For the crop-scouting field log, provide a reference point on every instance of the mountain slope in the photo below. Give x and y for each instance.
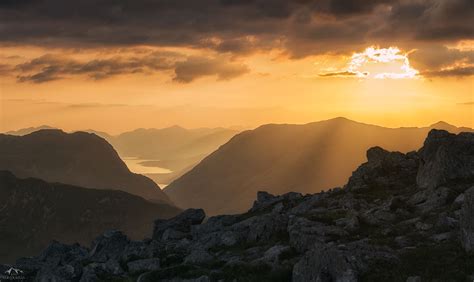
(34, 212)
(79, 158)
(282, 158)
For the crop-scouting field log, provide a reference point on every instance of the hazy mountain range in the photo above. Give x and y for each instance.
(280, 158)
(175, 148)
(34, 212)
(79, 158)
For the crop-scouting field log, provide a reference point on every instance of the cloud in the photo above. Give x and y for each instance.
(51, 67)
(467, 103)
(339, 74)
(196, 67)
(438, 56)
(379, 63)
(451, 72)
(300, 27)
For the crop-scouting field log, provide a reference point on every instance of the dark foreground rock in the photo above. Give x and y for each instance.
(401, 217)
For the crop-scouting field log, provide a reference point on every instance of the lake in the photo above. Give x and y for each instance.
(134, 165)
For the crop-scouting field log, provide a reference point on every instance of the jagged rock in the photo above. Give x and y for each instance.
(423, 226)
(273, 254)
(305, 233)
(143, 265)
(324, 264)
(467, 221)
(58, 262)
(446, 157)
(265, 199)
(350, 222)
(181, 223)
(105, 270)
(110, 245)
(89, 275)
(384, 170)
(199, 257)
(134, 250)
(414, 279)
(459, 200)
(259, 228)
(442, 237)
(429, 199)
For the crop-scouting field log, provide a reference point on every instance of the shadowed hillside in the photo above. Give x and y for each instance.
(79, 158)
(34, 212)
(280, 158)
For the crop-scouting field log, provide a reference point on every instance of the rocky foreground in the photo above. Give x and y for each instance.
(401, 217)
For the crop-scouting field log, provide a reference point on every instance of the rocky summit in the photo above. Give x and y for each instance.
(401, 217)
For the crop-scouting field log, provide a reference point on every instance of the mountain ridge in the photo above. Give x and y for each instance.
(79, 158)
(281, 158)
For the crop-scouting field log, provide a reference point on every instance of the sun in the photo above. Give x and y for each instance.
(382, 63)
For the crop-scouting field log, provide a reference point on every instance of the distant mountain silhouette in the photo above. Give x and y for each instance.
(176, 148)
(79, 158)
(170, 143)
(281, 157)
(24, 131)
(34, 212)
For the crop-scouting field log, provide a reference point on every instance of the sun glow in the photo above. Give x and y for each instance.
(382, 63)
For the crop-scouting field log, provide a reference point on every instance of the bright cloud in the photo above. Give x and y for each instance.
(378, 63)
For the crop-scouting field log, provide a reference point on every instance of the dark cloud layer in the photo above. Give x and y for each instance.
(50, 67)
(303, 27)
(457, 72)
(236, 27)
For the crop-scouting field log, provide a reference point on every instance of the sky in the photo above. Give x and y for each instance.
(118, 65)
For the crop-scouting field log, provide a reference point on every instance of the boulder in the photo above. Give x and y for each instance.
(324, 263)
(181, 223)
(110, 245)
(199, 257)
(384, 170)
(143, 265)
(467, 221)
(446, 157)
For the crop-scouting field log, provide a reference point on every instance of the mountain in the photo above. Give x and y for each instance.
(24, 131)
(281, 157)
(170, 143)
(79, 158)
(174, 148)
(401, 217)
(34, 212)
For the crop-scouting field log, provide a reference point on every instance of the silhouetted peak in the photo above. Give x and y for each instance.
(24, 131)
(442, 125)
(46, 132)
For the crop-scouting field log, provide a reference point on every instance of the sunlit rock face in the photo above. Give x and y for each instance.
(381, 226)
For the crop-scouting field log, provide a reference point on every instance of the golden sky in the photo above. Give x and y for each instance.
(116, 67)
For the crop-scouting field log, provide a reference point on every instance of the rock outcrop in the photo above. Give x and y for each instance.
(446, 158)
(382, 226)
